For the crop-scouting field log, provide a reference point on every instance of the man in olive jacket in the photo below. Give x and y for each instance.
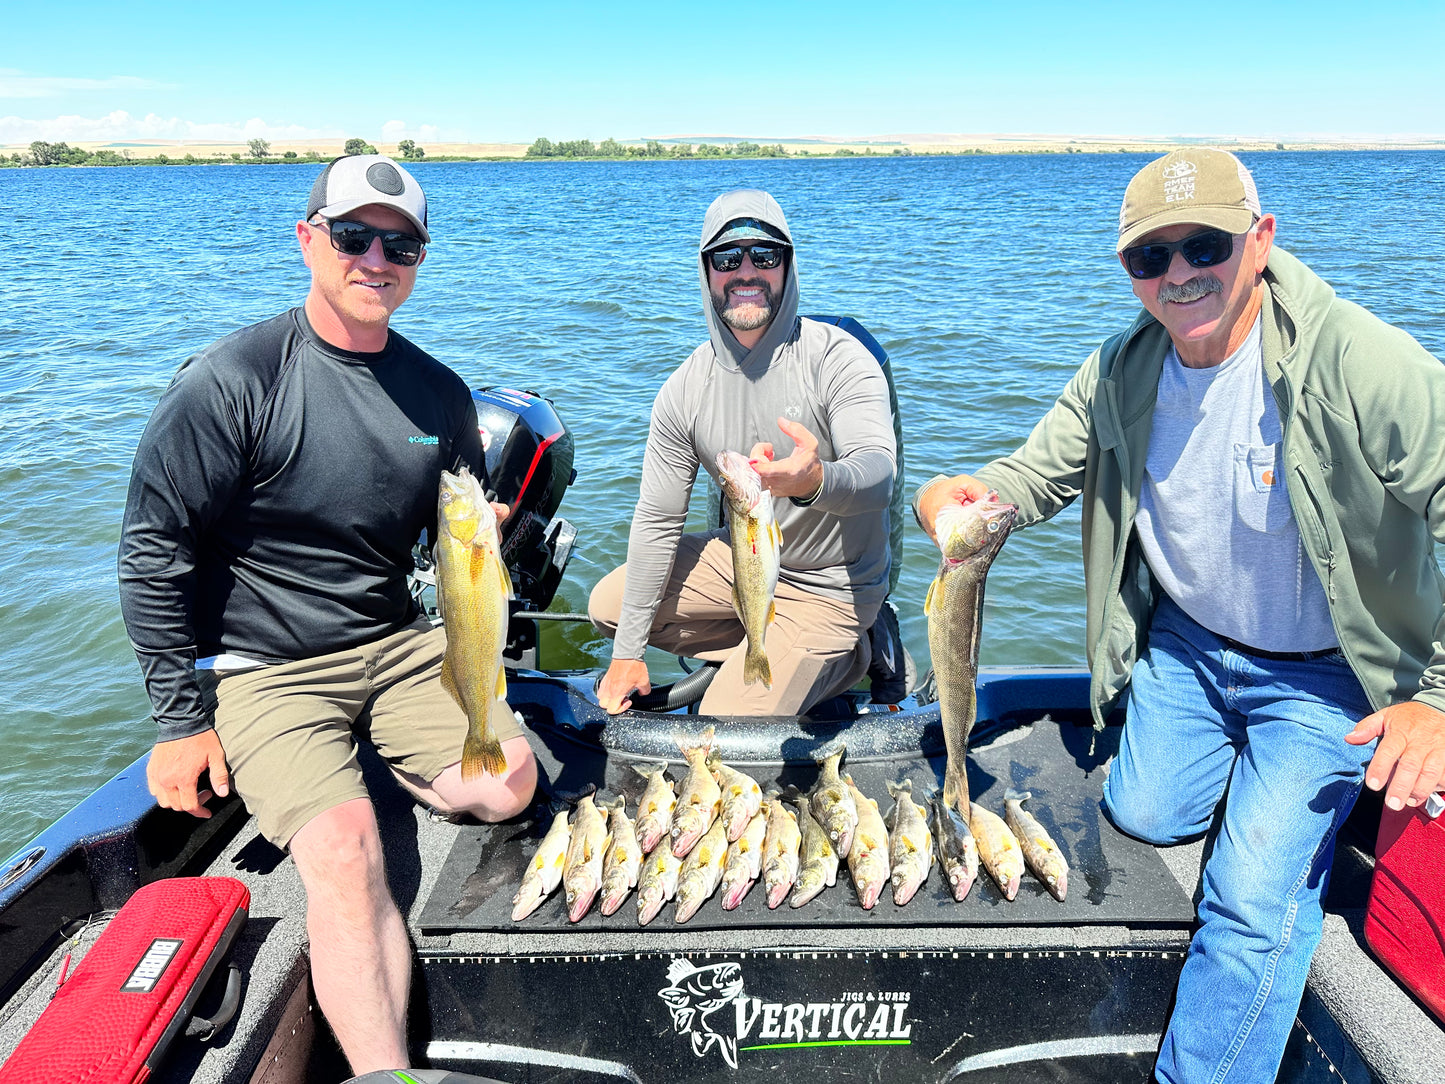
(1263, 479)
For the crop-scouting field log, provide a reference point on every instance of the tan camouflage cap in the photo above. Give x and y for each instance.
(1199, 185)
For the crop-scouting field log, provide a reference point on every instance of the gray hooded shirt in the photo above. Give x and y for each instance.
(725, 397)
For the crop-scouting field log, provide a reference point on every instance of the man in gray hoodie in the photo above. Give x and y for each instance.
(763, 372)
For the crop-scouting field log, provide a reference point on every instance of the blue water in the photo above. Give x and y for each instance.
(988, 279)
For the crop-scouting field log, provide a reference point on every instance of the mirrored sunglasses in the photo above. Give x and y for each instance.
(354, 238)
(763, 257)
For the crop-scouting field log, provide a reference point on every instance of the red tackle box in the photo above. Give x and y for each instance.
(113, 1018)
(1405, 920)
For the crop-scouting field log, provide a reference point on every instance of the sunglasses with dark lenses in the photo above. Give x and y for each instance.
(354, 238)
(1207, 248)
(764, 257)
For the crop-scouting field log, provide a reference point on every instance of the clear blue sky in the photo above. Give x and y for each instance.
(445, 71)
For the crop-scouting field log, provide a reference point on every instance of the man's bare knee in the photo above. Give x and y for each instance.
(339, 848)
(489, 798)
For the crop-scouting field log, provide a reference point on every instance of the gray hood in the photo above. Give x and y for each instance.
(748, 203)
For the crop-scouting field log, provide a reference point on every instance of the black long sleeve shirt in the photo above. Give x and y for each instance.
(276, 496)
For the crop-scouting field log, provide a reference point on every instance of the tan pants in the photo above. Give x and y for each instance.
(287, 730)
(817, 646)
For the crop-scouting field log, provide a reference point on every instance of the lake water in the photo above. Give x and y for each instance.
(988, 279)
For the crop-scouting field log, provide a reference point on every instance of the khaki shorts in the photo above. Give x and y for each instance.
(289, 731)
(817, 646)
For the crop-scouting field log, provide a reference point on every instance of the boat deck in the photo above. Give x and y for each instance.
(495, 988)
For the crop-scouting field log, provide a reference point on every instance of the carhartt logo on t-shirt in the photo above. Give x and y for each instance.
(1267, 478)
(423, 440)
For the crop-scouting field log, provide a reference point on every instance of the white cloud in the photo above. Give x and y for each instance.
(18, 84)
(120, 126)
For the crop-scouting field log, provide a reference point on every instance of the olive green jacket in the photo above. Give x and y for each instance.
(1362, 407)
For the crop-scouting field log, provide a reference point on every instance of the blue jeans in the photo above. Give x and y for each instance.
(1208, 724)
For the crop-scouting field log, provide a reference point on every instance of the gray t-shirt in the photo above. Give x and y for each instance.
(1214, 517)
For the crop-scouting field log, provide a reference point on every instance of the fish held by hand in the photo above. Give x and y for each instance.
(473, 588)
(969, 538)
(757, 551)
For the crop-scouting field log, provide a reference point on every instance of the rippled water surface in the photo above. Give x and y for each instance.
(988, 279)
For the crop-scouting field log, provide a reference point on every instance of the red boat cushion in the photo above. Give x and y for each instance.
(1405, 920)
(115, 1015)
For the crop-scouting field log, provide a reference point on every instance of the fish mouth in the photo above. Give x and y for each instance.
(868, 895)
(579, 905)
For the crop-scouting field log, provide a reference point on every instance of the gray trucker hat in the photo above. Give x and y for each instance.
(357, 180)
(747, 229)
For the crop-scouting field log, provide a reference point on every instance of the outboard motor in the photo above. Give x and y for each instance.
(529, 455)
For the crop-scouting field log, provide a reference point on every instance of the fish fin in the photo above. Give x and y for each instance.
(757, 668)
(501, 683)
(777, 533)
(449, 683)
(1012, 795)
(504, 576)
(482, 753)
(772, 613)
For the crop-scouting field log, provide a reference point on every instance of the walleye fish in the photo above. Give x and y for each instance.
(654, 808)
(582, 873)
(969, 536)
(957, 849)
(868, 856)
(741, 797)
(702, 869)
(757, 546)
(1041, 853)
(473, 587)
(622, 861)
(744, 862)
(998, 850)
(910, 843)
(544, 872)
(657, 883)
(780, 849)
(817, 858)
(833, 805)
(699, 800)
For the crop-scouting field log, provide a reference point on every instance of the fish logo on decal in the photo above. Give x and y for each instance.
(694, 994)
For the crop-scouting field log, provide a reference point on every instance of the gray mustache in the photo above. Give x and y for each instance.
(1192, 290)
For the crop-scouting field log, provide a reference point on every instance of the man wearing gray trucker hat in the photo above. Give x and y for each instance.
(277, 493)
(1263, 484)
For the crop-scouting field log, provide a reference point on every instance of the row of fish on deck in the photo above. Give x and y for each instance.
(720, 831)
(723, 831)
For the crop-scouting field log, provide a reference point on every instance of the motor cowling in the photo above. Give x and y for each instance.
(529, 453)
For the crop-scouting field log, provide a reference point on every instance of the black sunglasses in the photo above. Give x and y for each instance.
(764, 257)
(1207, 248)
(354, 238)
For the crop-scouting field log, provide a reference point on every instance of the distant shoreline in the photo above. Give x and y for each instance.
(175, 152)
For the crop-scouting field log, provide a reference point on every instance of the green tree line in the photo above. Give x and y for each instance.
(258, 150)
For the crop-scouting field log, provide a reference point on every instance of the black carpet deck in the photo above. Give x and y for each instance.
(1113, 879)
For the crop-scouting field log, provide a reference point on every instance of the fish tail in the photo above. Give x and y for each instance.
(757, 668)
(955, 792)
(482, 754)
